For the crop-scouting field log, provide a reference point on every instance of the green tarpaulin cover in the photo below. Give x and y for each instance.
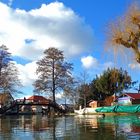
(119, 109)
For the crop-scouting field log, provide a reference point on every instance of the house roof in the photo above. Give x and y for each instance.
(5, 97)
(133, 95)
(37, 98)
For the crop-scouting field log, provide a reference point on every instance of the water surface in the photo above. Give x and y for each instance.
(91, 127)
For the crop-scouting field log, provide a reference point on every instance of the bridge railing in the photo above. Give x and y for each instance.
(29, 101)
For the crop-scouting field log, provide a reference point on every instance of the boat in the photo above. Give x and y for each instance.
(85, 111)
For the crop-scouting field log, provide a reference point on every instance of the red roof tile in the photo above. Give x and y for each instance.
(37, 98)
(133, 95)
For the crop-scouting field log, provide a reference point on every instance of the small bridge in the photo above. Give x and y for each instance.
(17, 104)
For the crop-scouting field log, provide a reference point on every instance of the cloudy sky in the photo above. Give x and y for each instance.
(78, 27)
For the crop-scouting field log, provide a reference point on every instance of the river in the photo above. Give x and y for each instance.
(91, 127)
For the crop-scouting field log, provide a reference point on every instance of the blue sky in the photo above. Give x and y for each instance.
(78, 27)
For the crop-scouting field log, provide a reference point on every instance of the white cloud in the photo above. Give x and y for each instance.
(27, 73)
(89, 62)
(93, 66)
(28, 33)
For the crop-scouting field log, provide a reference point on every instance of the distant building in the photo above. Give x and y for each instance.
(37, 99)
(109, 101)
(128, 99)
(93, 104)
(5, 99)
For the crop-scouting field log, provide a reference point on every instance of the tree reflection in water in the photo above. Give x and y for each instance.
(92, 127)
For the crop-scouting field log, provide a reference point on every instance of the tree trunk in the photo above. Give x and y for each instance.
(53, 90)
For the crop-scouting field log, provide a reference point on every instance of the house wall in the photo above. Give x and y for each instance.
(6, 98)
(124, 101)
(37, 109)
(93, 104)
(26, 109)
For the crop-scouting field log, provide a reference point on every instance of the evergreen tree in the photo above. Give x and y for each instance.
(111, 82)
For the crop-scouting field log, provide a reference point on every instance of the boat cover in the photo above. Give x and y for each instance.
(119, 109)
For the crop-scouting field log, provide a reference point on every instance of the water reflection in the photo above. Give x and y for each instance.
(92, 127)
(111, 127)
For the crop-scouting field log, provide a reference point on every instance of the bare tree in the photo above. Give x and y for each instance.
(83, 87)
(126, 30)
(69, 89)
(9, 81)
(5, 57)
(53, 72)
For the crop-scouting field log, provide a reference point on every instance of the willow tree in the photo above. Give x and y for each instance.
(126, 31)
(53, 72)
(9, 81)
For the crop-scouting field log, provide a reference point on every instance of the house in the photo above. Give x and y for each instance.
(5, 99)
(109, 101)
(36, 100)
(129, 99)
(93, 104)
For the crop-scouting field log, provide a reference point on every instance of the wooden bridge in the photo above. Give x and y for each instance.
(17, 104)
